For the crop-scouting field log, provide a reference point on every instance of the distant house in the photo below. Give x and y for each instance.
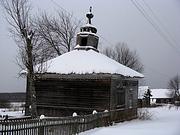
(84, 80)
(161, 96)
(158, 95)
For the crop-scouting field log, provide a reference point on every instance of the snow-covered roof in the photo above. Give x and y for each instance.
(89, 25)
(160, 93)
(84, 47)
(86, 32)
(156, 93)
(141, 91)
(87, 62)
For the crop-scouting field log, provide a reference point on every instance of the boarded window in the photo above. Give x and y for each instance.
(130, 100)
(120, 98)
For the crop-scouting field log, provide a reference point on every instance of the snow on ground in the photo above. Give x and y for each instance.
(164, 121)
(11, 112)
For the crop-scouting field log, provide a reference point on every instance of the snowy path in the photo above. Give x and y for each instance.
(164, 122)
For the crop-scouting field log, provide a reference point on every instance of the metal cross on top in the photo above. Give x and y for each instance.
(89, 15)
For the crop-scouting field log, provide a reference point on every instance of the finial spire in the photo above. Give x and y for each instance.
(90, 9)
(89, 15)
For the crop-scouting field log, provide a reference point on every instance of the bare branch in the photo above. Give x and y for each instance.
(173, 85)
(57, 33)
(122, 54)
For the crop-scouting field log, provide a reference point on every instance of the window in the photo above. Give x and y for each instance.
(130, 100)
(120, 98)
(83, 41)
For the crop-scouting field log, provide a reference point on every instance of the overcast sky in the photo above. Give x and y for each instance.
(116, 21)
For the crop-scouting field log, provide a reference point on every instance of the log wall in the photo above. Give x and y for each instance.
(64, 95)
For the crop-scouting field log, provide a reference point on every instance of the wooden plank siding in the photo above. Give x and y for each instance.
(123, 92)
(61, 96)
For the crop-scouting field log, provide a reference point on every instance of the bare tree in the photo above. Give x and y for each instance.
(18, 12)
(57, 33)
(38, 41)
(122, 54)
(173, 85)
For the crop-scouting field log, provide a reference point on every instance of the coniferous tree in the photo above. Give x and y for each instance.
(147, 97)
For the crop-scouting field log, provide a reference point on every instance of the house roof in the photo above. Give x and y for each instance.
(160, 93)
(87, 62)
(156, 93)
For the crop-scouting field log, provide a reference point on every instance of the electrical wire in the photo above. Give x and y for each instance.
(159, 21)
(144, 14)
(156, 71)
(55, 3)
(155, 26)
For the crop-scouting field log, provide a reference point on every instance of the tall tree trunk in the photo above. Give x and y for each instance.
(30, 78)
(23, 31)
(27, 111)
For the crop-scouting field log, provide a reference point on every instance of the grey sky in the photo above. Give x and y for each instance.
(116, 21)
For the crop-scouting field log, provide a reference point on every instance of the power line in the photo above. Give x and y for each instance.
(106, 40)
(159, 21)
(55, 3)
(144, 14)
(155, 26)
(156, 71)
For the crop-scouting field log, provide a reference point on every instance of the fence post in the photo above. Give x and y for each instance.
(75, 126)
(41, 130)
(41, 127)
(110, 118)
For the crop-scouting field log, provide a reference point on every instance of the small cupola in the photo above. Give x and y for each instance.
(87, 38)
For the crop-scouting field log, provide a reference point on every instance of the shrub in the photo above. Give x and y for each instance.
(144, 114)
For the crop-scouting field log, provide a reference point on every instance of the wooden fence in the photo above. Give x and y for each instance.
(64, 125)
